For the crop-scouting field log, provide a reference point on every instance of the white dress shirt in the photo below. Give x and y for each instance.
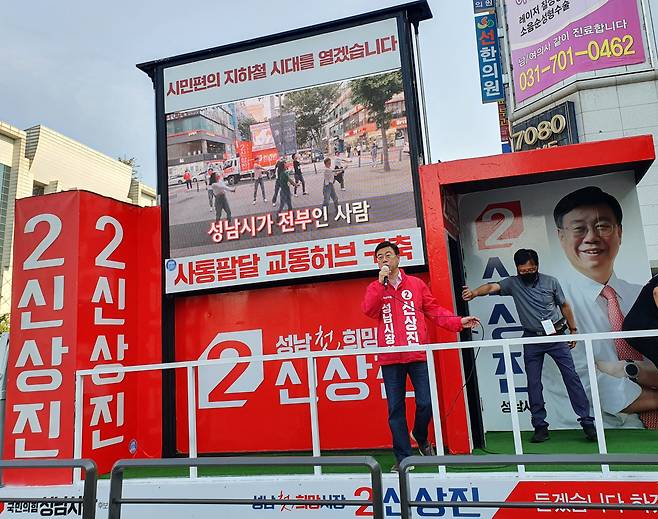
(590, 310)
(395, 283)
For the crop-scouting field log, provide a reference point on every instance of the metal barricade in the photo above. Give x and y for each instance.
(407, 504)
(116, 481)
(312, 357)
(88, 499)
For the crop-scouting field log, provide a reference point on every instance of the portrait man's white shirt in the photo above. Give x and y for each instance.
(590, 309)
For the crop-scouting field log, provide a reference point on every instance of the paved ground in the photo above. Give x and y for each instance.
(389, 194)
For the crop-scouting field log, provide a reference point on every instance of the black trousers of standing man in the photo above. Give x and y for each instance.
(221, 204)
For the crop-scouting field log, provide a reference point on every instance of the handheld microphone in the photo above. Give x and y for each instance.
(386, 269)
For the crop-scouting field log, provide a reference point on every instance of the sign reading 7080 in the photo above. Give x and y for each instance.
(554, 127)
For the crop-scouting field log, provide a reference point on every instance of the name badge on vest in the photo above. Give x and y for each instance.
(549, 329)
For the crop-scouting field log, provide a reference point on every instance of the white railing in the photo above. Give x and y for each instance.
(311, 356)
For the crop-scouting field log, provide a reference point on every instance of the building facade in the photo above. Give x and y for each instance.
(39, 161)
(349, 124)
(609, 102)
(199, 138)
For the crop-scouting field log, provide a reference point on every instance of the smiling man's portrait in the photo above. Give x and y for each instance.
(589, 226)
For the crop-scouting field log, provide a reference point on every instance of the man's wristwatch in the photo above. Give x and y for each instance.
(631, 370)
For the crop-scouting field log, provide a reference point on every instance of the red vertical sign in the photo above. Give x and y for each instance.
(110, 286)
(76, 304)
(246, 156)
(41, 360)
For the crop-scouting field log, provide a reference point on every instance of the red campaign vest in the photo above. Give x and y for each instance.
(401, 313)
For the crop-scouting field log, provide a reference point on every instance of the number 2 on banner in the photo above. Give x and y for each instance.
(102, 260)
(220, 392)
(499, 233)
(33, 261)
(363, 511)
(499, 224)
(230, 384)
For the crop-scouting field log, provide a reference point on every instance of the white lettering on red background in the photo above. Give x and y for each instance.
(387, 319)
(409, 312)
(41, 307)
(109, 304)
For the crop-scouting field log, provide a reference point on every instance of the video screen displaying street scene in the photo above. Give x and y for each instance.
(315, 163)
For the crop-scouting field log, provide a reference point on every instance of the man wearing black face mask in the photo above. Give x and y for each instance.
(537, 298)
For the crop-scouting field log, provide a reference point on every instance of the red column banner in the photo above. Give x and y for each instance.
(81, 264)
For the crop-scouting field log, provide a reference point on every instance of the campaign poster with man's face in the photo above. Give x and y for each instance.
(588, 234)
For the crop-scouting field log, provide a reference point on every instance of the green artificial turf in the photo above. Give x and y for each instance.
(619, 441)
(561, 442)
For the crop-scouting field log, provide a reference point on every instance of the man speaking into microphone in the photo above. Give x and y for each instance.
(400, 304)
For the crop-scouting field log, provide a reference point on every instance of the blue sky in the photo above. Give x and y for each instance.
(71, 65)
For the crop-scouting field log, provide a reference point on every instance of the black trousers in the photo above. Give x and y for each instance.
(221, 204)
(277, 186)
(533, 359)
(340, 178)
(285, 199)
(299, 177)
(259, 182)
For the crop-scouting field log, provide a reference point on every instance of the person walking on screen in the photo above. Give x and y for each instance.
(328, 189)
(299, 176)
(539, 301)
(211, 178)
(373, 154)
(284, 186)
(187, 178)
(400, 303)
(340, 163)
(220, 188)
(259, 180)
(279, 167)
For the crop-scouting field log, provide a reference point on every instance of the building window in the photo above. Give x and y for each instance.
(38, 189)
(4, 203)
(216, 147)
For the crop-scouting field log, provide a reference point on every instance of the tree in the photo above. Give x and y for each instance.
(243, 127)
(4, 323)
(372, 93)
(311, 107)
(132, 162)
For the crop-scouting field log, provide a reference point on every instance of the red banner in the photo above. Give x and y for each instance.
(265, 406)
(246, 157)
(580, 492)
(119, 324)
(85, 292)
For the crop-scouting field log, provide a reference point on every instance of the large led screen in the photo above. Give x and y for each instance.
(291, 160)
